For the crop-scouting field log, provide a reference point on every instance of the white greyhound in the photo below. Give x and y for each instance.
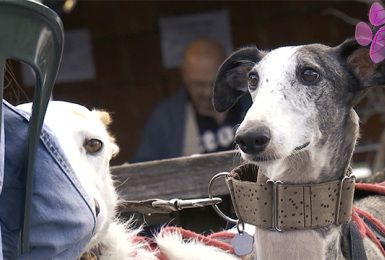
(84, 137)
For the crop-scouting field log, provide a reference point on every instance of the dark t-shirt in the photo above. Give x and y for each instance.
(214, 137)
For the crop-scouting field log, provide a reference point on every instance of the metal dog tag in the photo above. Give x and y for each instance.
(242, 243)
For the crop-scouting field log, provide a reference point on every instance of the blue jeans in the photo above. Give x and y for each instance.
(62, 221)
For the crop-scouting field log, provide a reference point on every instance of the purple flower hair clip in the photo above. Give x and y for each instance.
(364, 34)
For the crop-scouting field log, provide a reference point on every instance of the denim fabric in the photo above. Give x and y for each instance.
(62, 221)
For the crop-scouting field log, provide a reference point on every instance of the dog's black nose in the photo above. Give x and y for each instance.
(253, 140)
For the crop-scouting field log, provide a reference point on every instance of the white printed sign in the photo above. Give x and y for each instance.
(178, 31)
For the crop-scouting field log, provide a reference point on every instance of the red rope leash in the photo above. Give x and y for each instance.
(368, 231)
(222, 235)
(378, 188)
(360, 223)
(150, 245)
(359, 214)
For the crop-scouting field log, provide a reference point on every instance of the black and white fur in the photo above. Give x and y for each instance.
(301, 128)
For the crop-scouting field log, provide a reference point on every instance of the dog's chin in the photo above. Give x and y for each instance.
(266, 158)
(262, 158)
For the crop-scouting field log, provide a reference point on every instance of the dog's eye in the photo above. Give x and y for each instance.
(253, 81)
(309, 75)
(93, 145)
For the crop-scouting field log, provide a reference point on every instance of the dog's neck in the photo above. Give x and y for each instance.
(323, 162)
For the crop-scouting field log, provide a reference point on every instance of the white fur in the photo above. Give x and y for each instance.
(72, 125)
(173, 246)
(292, 245)
(119, 245)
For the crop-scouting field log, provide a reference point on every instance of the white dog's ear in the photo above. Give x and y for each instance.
(104, 117)
(231, 82)
(365, 72)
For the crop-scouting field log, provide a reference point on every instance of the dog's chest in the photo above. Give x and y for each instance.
(296, 245)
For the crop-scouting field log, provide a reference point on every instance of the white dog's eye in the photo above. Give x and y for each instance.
(253, 80)
(309, 75)
(93, 145)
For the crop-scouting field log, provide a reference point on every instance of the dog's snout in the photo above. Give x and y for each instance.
(253, 140)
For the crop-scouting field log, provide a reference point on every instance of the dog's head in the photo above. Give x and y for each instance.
(83, 136)
(301, 95)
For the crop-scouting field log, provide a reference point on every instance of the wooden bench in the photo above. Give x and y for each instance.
(182, 178)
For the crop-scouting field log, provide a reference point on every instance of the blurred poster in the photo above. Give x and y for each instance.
(77, 63)
(178, 31)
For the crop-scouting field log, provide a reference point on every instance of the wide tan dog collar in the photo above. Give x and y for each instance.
(278, 206)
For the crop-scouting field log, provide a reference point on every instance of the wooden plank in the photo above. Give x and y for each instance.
(184, 177)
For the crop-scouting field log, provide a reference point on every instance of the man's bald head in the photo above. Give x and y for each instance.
(200, 64)
(203, 49)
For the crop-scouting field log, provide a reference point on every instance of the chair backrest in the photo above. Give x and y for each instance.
(33, 34)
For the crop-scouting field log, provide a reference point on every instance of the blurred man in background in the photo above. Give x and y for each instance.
(187, 123)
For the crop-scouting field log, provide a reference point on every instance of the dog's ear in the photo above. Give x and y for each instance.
(358, 61)
(231, 81)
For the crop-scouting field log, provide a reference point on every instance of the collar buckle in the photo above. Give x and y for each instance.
(275, 204)
(345, 178)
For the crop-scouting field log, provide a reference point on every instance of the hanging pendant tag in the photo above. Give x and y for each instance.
(242, 244)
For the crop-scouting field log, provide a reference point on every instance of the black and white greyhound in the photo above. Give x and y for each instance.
(301, 128)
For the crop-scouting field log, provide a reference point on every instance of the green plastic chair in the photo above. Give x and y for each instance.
(33, 34)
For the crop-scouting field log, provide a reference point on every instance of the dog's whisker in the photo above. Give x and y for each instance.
(122, 183)
(235, 128)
